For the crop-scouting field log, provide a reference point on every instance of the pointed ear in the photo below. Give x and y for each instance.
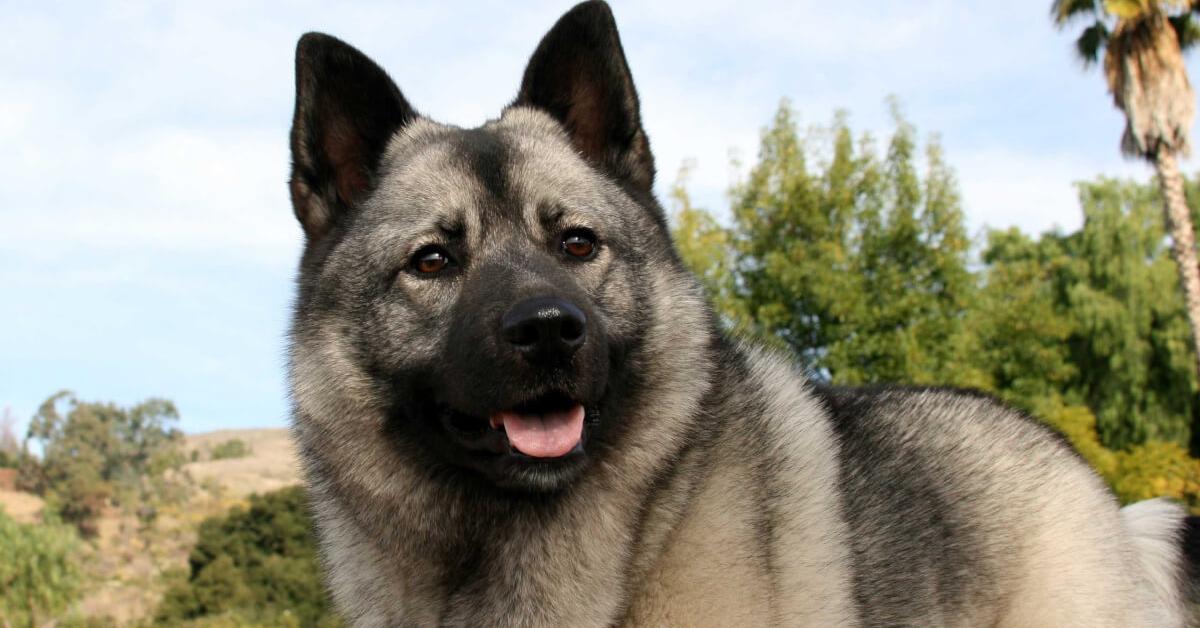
(346, 111)
(578, 74)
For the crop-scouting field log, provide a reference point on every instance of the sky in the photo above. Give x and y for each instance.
(147, 244)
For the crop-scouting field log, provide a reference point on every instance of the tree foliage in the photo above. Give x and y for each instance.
(1132, 344)
(858, 262)
(94, 454)
(854, 260)
(254, 566)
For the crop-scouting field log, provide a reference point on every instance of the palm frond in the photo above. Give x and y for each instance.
(1066, 11)
(1144, 67)
(1131, 9)
(1091, 42)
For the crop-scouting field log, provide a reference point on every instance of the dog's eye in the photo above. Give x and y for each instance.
(430, 260)
(579, 243)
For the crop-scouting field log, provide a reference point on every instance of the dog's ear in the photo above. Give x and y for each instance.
(347, 109)
(578, 74)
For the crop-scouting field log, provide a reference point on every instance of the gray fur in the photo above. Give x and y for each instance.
(721, 488)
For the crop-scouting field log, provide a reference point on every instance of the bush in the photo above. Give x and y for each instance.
(39, 577)
(256, 565)
(233, 448)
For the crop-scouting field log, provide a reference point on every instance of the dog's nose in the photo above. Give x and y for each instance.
(545, 328)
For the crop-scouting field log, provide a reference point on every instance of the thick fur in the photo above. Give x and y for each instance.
(718, 487)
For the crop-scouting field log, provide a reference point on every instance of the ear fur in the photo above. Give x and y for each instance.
(347, 109)
(579, 75)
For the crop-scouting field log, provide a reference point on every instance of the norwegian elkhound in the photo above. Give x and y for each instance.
(515, 407)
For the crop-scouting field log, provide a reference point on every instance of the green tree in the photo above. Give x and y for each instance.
(1142, 42)
(39, 575)
(1132, 346)
(98, 453)
(1091, 318)
(854, 261)
(257, 564)
(857, 263)
(1021, 322)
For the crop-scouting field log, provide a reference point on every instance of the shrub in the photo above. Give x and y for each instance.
(39, 577)
(256, 565)
(232, 448)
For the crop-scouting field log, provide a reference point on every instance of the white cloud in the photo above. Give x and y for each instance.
(169, 190)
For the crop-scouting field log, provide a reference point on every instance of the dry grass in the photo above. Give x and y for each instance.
(270, 465)
(23, 507)
(128, 562)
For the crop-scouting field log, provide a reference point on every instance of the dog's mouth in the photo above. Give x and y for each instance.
(548, 427)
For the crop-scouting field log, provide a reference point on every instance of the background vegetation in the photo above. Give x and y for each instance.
(232, 448)
(852, 254)
(39, 573)
(99, 455)
(255, 566)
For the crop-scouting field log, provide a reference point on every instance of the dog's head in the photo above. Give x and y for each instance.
(489, 291)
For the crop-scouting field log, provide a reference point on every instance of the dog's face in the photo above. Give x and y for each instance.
(486, 288)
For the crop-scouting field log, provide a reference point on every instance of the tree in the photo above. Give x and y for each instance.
(97, 453)
(1132, 346)
(1143, 42)
(1091, 318)
(1021, 321)
(855, 262)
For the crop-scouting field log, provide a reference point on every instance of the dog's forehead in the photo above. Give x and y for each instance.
(521, 159)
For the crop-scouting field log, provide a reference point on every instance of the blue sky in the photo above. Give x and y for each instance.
(147, 246)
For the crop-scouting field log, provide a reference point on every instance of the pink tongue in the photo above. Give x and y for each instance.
(547, 435)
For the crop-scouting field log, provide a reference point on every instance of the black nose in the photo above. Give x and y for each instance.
(545, 328)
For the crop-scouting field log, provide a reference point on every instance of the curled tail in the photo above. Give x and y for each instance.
(1166, 544)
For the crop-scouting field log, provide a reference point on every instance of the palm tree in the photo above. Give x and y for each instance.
(1142, 42)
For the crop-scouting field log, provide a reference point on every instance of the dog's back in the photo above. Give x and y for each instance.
(965, 510)
(907, 507)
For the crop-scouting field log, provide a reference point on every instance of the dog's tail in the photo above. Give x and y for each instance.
(1166, 543)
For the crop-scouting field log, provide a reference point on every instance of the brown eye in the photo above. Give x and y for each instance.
(430, 260)
(579, 243)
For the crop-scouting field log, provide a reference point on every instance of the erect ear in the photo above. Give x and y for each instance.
(346, 111)
(578, 74)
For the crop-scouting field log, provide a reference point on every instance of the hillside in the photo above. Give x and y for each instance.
(128, 563)
(270, 465)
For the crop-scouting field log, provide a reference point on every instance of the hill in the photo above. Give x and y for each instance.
(270, 464)
(129, 562)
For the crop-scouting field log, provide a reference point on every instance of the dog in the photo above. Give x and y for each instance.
(514, 406)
